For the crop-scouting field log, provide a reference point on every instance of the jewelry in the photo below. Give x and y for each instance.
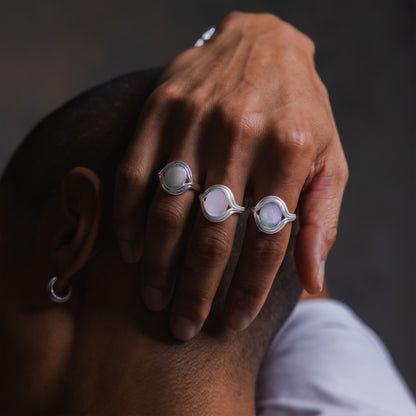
(176, 177)
(53, 296)
(218, 203)
(207, 35)
(268, 214)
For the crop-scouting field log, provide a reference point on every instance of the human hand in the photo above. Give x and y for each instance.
(249, 111)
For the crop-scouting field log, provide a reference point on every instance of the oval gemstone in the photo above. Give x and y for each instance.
(270, 215)
(216, 203)
(175, 177)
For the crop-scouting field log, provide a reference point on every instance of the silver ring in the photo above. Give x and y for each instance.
(53, 296)
(207, 35)
(176, 177)
(220, 209)
(275, 214)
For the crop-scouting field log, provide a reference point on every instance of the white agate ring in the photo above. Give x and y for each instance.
(53, 296)
(271, 214)
(176, 177)
(207, 35)
(218, 203)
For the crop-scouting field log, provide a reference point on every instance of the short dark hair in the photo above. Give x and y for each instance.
(93, 130)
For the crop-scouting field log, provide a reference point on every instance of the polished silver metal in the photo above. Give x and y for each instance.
(233, 207)
(286, 215)
(187, 184)
(206, 36)
(53, 296)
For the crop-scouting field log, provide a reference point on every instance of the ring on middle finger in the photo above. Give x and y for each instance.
(218, 203)
(176, 177)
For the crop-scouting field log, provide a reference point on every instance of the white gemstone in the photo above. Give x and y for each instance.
(175, 176)
(216, 203)
(270, 215)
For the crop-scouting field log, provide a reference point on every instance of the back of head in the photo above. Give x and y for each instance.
(94, 131)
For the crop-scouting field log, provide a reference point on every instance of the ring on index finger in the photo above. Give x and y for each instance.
(271, 214)
(176, 178)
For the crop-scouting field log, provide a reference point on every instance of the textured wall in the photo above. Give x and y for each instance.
(51, 50)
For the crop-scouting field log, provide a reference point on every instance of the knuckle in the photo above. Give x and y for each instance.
(131, 176)
(154, 274)
(212, 247)
(323, 90)
(344, 173)
(272, 18)
(165, 94)
(168, 217)
(196, 101)
(232, 17)
(296, 138)
(241, 122)
(331, 235)
(299, 38)
(307, 43)
(195, 305)
(267, 252)
(338, 172)
(172, 96)
(251, 296)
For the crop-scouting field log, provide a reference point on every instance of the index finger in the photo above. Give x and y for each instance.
(133, 180)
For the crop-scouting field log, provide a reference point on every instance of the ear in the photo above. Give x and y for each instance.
(81, 209)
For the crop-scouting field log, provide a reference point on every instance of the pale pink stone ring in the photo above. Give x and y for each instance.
(218, 203)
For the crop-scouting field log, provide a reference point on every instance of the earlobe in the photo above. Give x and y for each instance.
(81, 206)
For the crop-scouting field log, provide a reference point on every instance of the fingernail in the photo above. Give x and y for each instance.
(321, 276)
(183, 328)
(126, 251)
(154, 299)
(237, 319)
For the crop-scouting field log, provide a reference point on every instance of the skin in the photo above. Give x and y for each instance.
(247, 110)
(101, 353)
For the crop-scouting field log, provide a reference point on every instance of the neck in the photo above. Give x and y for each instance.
(124, 361)
(156, 379)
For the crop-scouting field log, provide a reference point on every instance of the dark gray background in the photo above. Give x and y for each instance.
(51, 50)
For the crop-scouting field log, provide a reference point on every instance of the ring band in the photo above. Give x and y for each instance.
(271, 214)
(218, 203)
(206, 36)
(176, 177)
(53, 296)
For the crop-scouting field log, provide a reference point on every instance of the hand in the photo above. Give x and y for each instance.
(249, 111)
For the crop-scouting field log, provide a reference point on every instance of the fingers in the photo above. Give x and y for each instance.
(319, 212)
(206, 257)
(167, 222)
(281, 172)
(259, 262)
(135, 175)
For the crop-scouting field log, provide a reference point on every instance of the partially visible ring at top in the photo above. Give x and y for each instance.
(218, 203)
(176, 177)
(271, 214)
(205, 37)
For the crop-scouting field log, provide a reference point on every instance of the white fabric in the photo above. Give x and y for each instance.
(326, 361)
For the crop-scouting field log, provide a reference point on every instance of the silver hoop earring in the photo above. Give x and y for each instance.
(53, 296)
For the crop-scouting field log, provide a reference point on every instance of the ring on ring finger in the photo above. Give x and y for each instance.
(271, 214)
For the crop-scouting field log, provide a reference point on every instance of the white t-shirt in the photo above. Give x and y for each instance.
(326, 361)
